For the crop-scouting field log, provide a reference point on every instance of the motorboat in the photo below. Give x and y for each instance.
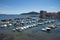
(51, 21)
(52, 26)
(3, 26)
(40, 23)
(13, 30)
(10, 24)
(20, 29)
(45, 22)
(17, 24)
(46, 29)
(5, 22)
(28, 26)
(25, 27)
(34, 24)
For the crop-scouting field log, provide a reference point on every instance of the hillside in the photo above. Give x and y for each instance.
(30, 13)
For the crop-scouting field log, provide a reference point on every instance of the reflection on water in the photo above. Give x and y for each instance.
(34, 33)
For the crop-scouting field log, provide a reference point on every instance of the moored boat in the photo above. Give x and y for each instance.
(46, 29)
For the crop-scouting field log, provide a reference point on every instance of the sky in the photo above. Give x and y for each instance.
(24, 6)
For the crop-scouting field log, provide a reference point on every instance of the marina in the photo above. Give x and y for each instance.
(30, 26)
(25, 23)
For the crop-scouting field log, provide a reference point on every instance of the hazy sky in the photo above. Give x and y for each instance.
(23, 6)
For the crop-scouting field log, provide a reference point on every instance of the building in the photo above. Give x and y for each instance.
(58, 14)
(51, 15)
(43, 14)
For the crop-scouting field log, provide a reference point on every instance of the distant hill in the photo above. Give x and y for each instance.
(30, 13)
(2, 14)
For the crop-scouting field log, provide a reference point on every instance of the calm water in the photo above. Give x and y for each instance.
(34, 33)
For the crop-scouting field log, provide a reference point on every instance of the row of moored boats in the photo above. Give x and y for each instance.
(20, 22)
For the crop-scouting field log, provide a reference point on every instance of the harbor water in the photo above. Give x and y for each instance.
(33, 33)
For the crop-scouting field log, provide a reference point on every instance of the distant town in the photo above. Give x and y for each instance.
(45, 14)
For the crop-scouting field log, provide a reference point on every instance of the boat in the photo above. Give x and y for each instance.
(40, 23)
(13, 30)
(3, 26)
(28, 26)
(20, 29)
(25, 27)
(5, 22)
(10, 19)
(52, 26)
(18, 24)
(46, 29)
(34, 24)
(51, 21)
(45, 22)
(10, 24)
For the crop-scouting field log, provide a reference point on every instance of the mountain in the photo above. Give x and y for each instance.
(30, 13)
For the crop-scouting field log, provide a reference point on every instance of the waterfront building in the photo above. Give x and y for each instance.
(51, 15)
(43, 14)
(58, 14)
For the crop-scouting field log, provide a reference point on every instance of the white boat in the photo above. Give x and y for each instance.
(43, 29)
(46, 29)
(10, 24)
(13, 30)
(25, 27)
(5, 22)
(49, 21)
(34, 24)
(30, 21)
(40, 23)
(45, 22)
(20, 29)
(28, 26)
(3, 26)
